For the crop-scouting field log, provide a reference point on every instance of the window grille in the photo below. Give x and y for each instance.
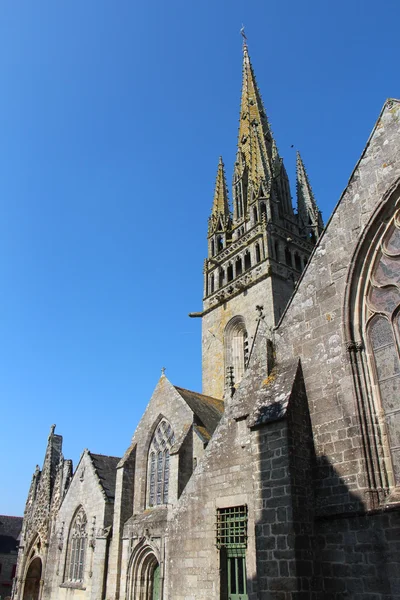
(231, 527)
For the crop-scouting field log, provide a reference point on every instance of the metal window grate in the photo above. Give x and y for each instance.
(231, 527)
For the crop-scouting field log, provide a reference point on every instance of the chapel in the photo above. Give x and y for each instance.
(281, 479)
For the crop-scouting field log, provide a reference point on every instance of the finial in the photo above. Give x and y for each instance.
(242, 33)
(52, 428)
(162, 371)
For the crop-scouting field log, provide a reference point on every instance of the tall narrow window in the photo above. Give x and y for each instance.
(76, 548)
(152, 487)
(238, 266)
(212, 283)
(231, 540)
(230, 272)
(258, 253)
(236, 347)
(255, 215)
(247, 261)
(383, 336)
(288, 257)
(158, 464)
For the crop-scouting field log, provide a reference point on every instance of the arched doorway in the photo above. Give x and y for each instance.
(32, 580)
(145, 579)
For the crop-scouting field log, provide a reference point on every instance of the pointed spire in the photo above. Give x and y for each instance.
(310, 216)
(220, 204)
(253, 163)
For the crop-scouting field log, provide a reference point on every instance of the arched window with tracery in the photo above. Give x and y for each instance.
(158, 464)
(382, 330)
(77, 543)
(236, 347)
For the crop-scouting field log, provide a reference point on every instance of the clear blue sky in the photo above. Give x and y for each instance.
(112, 118)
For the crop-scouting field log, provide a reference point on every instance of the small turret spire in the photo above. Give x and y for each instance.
(219, 223)
(220, 204)
(309, 215)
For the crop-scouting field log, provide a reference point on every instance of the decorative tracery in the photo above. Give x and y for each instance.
(382, 317)
(158, 463)
(77, 547)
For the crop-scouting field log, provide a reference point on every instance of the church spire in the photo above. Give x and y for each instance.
(309, 215)
(255, 257)
(253, 169)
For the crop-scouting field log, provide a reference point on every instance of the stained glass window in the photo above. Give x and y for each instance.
(158, 465)
(383, 300)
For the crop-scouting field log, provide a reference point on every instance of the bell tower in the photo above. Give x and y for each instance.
(257, 250)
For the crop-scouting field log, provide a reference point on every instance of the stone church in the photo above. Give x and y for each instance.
(281, 480)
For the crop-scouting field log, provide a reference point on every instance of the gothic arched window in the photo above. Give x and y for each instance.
(382, 317)
(158, 463)
(236, 347)
(76, 551)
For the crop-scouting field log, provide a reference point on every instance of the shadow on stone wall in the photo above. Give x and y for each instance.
(314, 538)
(356, 553)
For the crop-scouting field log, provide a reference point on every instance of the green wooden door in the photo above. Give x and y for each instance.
(156, 583)
(237, 588)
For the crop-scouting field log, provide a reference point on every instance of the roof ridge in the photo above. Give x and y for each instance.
(103, 455)
(198, 393)
(106, 484)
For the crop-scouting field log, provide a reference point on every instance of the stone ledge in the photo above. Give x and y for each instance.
(74, 585)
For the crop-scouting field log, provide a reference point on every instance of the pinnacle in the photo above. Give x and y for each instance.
(220, 204)
(306, 203)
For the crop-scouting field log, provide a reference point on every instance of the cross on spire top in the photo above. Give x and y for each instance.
(243, 34)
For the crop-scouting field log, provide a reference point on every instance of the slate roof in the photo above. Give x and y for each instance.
(10, 528)
(208, 410)
(106, 469)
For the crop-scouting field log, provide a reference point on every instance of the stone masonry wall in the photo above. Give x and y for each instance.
(167, 402)
(313, 327)
(223, 478)
(213, 327)
(358, 557)
(284, 501)
(86, 491)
